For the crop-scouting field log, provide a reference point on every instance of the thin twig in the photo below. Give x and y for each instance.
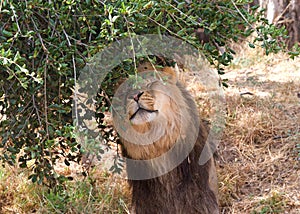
(75, 91)
(246, 93)
(181, 13)
(133, 51)
(1, 2)
(45, 97)
(67, 36)
(16, 18)
(280, 137)
(238, 10)
(36, 109)
(25, 124)
(281, 14)
(40, 37)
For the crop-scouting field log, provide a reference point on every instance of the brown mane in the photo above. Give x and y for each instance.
(187, 188)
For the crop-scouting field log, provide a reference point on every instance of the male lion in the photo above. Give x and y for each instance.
(161, 133)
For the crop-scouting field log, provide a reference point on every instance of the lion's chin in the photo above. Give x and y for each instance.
(142, 116)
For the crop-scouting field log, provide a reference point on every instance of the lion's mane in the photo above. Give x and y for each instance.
(164, 113)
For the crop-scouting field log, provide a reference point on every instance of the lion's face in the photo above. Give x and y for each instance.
(148, 104)
(153, 115)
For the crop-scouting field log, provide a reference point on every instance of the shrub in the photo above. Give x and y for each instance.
(44, 44)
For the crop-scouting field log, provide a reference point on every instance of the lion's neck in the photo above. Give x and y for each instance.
(183, 189)
(142, 128)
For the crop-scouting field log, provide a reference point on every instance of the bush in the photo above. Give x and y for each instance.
(44, 44)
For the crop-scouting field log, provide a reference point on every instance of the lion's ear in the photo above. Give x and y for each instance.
(171, 73)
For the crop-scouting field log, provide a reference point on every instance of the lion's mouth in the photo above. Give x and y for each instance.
(142, 111)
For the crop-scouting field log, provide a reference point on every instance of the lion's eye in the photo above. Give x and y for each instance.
(149, 85)
(152, 84)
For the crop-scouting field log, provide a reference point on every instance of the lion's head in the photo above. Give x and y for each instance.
(157, 112)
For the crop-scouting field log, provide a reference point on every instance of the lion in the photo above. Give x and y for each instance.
(164, 134)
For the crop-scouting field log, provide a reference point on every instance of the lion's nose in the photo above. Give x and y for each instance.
(137, 96)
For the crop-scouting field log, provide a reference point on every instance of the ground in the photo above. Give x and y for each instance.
(259, 166)
(258, 161)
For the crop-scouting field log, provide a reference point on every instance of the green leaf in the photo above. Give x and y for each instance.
(7, 33)
(33, 178)
(12, 149)
(251, 45)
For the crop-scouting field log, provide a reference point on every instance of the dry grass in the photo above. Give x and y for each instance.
(17, 194)
(259, 170)
(99, 193)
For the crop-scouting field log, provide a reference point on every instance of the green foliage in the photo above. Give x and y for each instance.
(295, 51)
(94, 194)
(44, 44)
(85, 197)
(273, 204)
